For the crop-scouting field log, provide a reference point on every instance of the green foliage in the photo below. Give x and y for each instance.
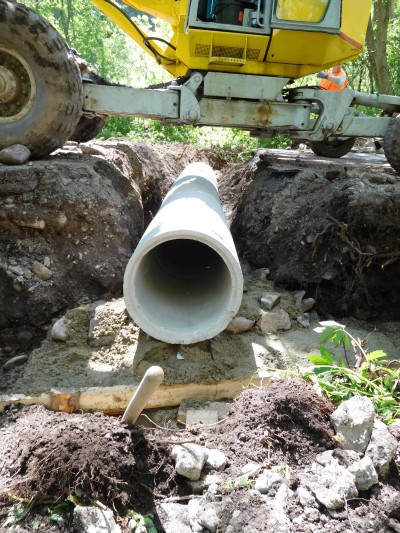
(371, 376)
(141, 522)
(57, 511)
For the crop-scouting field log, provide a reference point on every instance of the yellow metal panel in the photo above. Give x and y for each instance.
(355, 15)
(301, 10)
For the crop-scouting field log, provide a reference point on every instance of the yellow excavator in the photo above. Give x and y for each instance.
(233, 64)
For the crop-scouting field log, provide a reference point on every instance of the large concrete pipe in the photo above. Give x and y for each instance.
(183, 283)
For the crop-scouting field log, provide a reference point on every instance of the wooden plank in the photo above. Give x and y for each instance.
(113, 400)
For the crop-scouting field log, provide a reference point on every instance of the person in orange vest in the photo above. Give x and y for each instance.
(334, 80)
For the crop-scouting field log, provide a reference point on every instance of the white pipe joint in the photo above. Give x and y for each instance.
(183, 284)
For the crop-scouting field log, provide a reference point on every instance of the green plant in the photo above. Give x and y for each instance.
(371, 375)
(141, 522)
(242, 481)
(56, 512)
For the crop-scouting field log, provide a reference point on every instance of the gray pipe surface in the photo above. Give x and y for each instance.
(183, 283)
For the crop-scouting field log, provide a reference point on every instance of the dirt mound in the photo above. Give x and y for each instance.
(90, 455)
(287, 423)
(97, 458)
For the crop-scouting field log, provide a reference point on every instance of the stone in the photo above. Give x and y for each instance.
(216, 459)
(298, 298)
(202, 484)
(267, 480)
(41, 271)
(382, 448)
(353, 421)
(189, 460)
(307, 304)
(306, 498)
(270, 322)
(174, 517)
(239, 324)
(201, 416)
(364, 472)
(60, 330)
(304, 320)
(269, 300)
(94, 520)
(17, 154)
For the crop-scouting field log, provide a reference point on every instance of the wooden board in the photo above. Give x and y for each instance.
(113, 400)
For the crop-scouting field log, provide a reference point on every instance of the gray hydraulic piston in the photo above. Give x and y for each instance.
(183, 283)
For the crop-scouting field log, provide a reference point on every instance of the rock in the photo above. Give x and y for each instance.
(216, 459)
(331, 485)
(381, 448)
(239, 324)
(353, 421)
(18, 360)
(277, 519)
(304, 320)
(364, 473)
(201, 416)
(41, 271)
(307, 304)
(267, 480)
(271, 322)
(306, 498)
(269, 300)
(174, 518)
(189, 460)
(202, 484)
(311, 514)
(251, 470)
(298, 298)
(60, 330)
(94, 520)
(17, 154)
(204, 514)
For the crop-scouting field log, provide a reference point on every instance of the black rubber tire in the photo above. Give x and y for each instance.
(391, 145)
(47, 105)
(88, 127)
(335, 148)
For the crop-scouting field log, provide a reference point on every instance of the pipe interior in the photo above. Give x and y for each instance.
(182, 284)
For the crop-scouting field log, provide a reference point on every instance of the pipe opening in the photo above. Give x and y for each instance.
(183, 285)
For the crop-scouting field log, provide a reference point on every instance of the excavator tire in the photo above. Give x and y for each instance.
(335, 148)
(88, 127)
(391, 145)
(40, 83)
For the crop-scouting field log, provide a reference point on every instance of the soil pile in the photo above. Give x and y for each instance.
(49, 456)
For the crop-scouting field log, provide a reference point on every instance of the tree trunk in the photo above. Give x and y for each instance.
(376, 45)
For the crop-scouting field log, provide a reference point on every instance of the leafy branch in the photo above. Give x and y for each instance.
(371, 375)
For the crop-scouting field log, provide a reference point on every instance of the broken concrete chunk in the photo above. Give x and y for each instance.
(271, 321)
(353, 421)
(189, 460)
(17, 154)
(41, 271)
(222, 408)
(381, 448)
(269, 300)
(88, 519)
(201, 416)
(216, 459)
(365, 473)
(239, 324)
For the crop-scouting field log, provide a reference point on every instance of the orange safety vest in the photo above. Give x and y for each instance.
(330, 86)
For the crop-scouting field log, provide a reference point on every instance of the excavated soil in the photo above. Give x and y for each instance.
(47, 456)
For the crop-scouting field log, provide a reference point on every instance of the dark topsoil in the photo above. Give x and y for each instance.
(47, 456)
